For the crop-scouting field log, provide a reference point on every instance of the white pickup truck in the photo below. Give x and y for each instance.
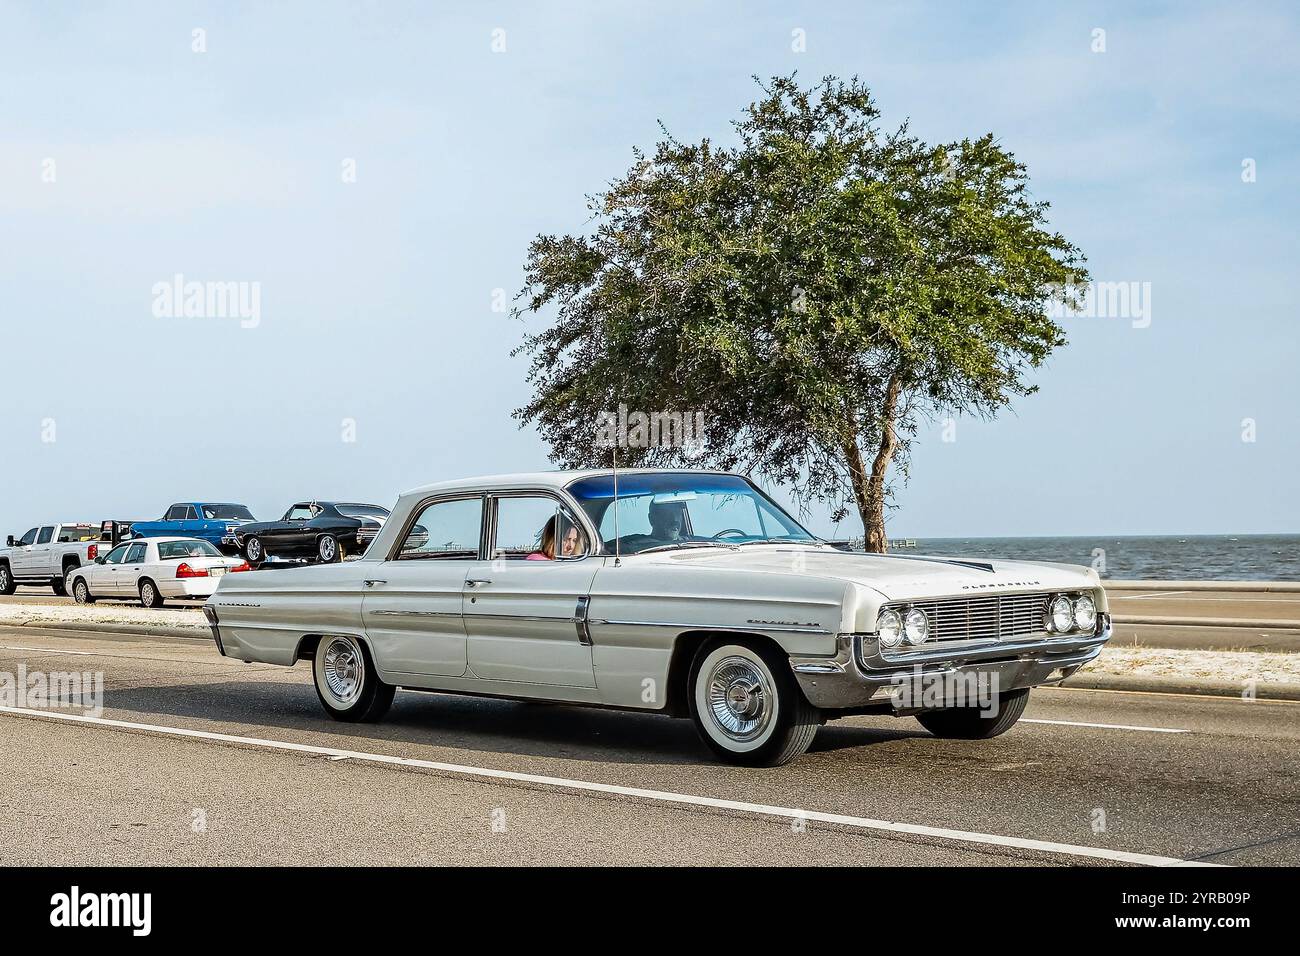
(45, 555)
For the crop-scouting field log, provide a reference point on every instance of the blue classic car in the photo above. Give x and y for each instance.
(212, 521)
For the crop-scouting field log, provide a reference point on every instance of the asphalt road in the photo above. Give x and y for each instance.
(302, 789)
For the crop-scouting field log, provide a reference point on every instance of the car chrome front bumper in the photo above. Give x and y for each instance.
(859, 674)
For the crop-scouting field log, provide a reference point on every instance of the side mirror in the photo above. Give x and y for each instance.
(99, 560)
(9, 542)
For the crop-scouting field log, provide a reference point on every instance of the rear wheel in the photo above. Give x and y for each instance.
(971, 723)
(347, 683)
(81, 592)
(150, 596)
(59, 586)
(747, 707)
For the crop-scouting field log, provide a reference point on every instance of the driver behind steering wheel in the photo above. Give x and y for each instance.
(668, 521)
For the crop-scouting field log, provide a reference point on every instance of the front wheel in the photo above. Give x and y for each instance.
(7, 583)
(327, 549)
(347, 683)
(81, 592)
(973, 723)
(254, 551)
(747, 707)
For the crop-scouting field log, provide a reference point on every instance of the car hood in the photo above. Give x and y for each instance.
(896, 577)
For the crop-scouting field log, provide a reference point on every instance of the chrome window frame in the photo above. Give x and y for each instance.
(576, 513)
(395, 551)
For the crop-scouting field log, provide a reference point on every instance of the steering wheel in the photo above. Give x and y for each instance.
(743, 534)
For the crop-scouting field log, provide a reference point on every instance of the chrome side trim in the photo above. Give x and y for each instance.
(580, 619)
(516, 617)
(384, 612)
(791, 628)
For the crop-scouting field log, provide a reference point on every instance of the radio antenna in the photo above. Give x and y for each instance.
(614, 456)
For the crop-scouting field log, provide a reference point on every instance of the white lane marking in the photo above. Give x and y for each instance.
(663, 796)
(1078, 723)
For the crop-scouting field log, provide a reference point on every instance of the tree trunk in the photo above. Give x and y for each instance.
(869, 489)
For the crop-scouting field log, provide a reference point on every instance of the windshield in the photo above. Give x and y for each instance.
(227, 513)
(682, 510)
(193, 548)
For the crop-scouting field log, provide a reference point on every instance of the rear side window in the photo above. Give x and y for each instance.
(136, 554)
(74, 533)
(47, 534)
(446, 530)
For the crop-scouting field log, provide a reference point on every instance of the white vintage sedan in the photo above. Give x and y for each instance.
(684, 592)
(152, 570)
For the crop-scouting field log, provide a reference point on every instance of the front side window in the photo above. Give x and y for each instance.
(47, 535)
(536, 527)
(682, 509)
(117, 555)
(446, 530)
(175, 513)
(28, 539)
(191, 514)
(299, 513)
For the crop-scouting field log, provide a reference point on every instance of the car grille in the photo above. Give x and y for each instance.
(986, 618)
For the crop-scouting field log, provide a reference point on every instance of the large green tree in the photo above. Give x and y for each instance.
(816, 288)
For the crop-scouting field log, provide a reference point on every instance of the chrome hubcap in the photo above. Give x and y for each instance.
(344, 669)
(327, 549)
(254, 549)
(148, 594)
(740, 698)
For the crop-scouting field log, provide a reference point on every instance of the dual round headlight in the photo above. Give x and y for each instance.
(1066, 614)
(893, 627)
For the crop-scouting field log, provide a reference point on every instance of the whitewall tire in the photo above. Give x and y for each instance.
(347, 683)
(746, 705)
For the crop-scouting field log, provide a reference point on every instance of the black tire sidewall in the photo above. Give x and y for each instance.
(157, 595)
(789, 705)
(375, 697)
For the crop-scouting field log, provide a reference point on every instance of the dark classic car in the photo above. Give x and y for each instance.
(324, 531)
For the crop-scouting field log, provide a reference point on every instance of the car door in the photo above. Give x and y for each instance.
(20, 555)
(525, 616)
(411, 604)
(41, 555)
(191, 525)
(290, 535)
(127, 574)
(104, 580)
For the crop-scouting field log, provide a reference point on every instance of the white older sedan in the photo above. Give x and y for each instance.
(152, 570)
(684, 592)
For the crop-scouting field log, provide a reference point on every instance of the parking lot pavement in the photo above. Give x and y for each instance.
(1097, 772)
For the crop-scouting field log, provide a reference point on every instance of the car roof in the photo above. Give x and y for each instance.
(547, 479)
(158, 540)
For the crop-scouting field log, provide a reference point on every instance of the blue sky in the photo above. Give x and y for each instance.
(376, 295)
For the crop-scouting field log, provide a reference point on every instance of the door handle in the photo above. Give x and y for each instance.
(371, 583)
(472, 582)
